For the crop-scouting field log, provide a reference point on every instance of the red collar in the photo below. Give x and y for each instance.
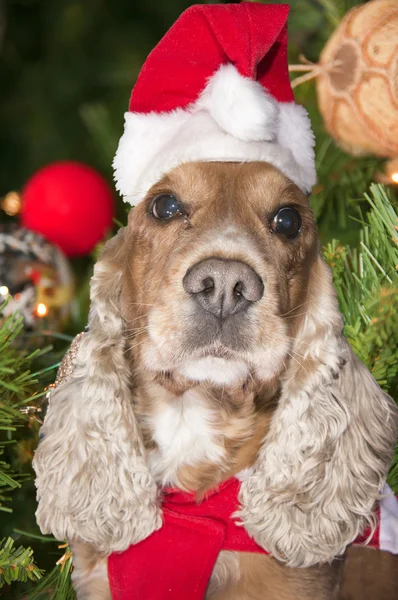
(176, 561)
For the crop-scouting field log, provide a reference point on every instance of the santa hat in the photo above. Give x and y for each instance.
(216, 88)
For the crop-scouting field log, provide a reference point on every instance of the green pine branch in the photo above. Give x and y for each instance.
(57, 585)
(17, 564)
(14, 383)
(18, 388)
(366, 281)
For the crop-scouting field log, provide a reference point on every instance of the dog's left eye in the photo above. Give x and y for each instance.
(166, 207)
(287, 221)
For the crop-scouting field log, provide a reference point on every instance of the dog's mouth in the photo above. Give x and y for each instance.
(219, 336)
(218, 350)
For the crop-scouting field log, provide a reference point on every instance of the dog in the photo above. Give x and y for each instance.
(215, 351)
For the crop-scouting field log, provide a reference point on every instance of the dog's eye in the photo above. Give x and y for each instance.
(166, 207)
(287, 221)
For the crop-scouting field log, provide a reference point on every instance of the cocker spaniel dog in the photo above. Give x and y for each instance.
(214, 351)
(212, 434)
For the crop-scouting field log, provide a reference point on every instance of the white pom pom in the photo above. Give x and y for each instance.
(240, 106)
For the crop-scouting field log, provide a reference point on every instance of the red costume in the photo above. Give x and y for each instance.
(177, 560)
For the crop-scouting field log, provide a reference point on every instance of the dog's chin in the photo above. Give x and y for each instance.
(217, 364)
(217, 370)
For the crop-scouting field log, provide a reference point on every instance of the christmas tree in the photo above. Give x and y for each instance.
(68, 68)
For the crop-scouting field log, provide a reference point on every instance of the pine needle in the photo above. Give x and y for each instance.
(17, 564)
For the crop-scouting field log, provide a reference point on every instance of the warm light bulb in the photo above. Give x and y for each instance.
(4, 291)
(41, 310)
(394, 177)
(11, 204)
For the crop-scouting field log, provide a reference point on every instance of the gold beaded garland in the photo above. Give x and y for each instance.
(67, 366)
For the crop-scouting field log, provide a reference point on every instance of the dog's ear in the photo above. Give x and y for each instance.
(329, 447)
(91, 472)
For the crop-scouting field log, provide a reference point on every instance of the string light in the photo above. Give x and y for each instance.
(389, 175)
(391, 170)
(4, 291)
(11, 204)
(41, 309)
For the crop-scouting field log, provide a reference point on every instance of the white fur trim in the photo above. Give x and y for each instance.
(234, 120)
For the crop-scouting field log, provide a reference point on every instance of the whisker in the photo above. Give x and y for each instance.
(297, 315)
(269, 349)
(135, 328)
(135, 319)
(295, 308)
(133, 346)
(298, 354)
(251, 377)
(298, 362)
(135, 334)
(140, 304)
(210, 395)
(302, 342)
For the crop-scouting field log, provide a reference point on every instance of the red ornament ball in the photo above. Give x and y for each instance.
(70, 204)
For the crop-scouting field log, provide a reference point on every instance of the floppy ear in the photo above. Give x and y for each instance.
(92, 478)
(329, 447)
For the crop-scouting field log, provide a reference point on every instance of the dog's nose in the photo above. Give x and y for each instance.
(223, 287)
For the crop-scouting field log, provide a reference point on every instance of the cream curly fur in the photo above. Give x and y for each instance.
(91, 472)
(324, 460)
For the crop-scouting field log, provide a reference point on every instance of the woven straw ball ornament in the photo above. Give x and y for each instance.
(358, 80)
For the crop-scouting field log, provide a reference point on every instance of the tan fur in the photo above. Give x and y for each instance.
(89, 575)
(230, 209)
(263, 578)
(369, 575)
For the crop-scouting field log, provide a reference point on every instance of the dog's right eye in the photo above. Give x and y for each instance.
(166, 207)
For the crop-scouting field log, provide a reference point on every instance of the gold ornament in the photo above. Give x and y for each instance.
(357, 80)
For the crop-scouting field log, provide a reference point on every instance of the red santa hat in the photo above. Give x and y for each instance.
(216, 88)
